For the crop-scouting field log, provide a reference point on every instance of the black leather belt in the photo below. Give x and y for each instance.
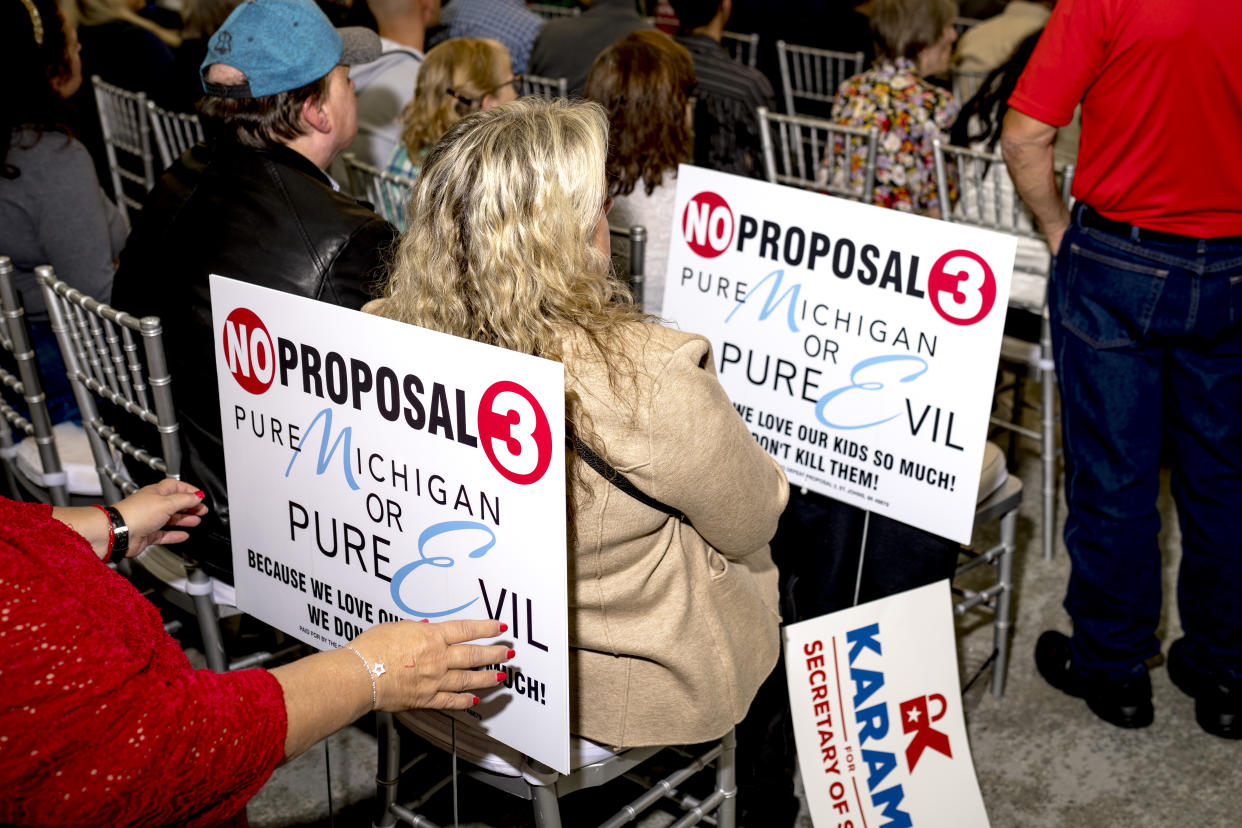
(1088, 217)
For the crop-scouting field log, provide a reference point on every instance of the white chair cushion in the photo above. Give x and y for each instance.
(170, 569)
(75, 458)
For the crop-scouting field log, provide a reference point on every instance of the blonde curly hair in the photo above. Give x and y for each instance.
(467, 65)
(501, 225)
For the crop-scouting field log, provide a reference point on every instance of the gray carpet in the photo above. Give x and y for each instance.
(1043, 759)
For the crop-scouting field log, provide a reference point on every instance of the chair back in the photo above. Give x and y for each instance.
(387, 192)
(987, 199)
(965, 83)
(123, 118)
(175, 132)
(546, 87)
(15, 340)
(550, 12)
(744, 48)
(810, 76)
(105, 361)
(629, 257)
(819, 155)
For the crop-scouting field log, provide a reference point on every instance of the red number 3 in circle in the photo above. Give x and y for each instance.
(515, 432)
(961, 287)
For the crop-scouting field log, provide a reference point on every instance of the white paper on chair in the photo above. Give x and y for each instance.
(428, 483)
(859, 344)
(877, 713)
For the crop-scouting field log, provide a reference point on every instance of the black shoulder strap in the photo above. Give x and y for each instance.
(622, 482)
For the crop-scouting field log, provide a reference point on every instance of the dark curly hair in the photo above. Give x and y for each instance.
(31, 102)
(982, 116)
(644, 81)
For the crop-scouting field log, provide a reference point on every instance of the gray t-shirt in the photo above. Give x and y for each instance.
(55, 213)
(654, 212)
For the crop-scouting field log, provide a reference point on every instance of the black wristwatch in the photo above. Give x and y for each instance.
(120, 535)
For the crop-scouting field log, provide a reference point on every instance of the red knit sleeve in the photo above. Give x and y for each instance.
(102, 719)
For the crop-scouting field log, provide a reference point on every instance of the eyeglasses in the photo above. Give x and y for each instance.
(518, 82)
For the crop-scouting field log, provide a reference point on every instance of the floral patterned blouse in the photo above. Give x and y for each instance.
(910, 113)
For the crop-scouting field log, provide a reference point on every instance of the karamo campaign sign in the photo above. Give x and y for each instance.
(380, 472)
(859, 344)
(878, 718)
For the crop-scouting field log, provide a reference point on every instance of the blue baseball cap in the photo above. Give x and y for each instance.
(281, 45)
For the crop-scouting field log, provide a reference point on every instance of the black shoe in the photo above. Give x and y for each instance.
(1218, 702)
(1124, 705)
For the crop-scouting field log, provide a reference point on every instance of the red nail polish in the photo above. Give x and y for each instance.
(424, 620)
(199, 494)
(500, 677)
(476, 700)
(504, 627)
(511, 653)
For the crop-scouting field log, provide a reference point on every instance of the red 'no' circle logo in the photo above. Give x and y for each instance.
(708, 224)
(248, 351)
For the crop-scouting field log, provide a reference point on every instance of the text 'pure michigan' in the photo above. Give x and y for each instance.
(513, 429)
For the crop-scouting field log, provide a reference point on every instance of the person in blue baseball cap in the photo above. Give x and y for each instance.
(255, 203)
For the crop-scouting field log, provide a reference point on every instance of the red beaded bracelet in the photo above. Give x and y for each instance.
(111, 534)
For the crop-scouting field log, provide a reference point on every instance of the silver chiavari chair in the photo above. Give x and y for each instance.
(123, 118)
(52, 484)
(819, 155)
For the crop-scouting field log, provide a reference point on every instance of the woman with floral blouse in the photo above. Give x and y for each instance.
(914, 39)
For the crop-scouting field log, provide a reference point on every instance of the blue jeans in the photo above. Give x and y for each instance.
(1147, 337)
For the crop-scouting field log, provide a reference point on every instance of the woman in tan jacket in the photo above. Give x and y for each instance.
(673, 622)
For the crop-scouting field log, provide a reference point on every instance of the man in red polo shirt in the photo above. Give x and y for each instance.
(1146, 307)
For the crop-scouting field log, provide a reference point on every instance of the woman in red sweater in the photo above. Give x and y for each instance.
(104, 722)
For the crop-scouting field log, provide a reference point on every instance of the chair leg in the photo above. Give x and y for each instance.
(547, 808)
(726, 781)
(200, 591)
(1048, 438)
(1015, 417)
(1004, 608)
(388, 770)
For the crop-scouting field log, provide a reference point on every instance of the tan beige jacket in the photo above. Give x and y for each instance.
(672, 627)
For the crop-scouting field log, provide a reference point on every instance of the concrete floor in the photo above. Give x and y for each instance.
(1042, 758)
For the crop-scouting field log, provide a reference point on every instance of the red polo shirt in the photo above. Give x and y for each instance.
(1160, 83)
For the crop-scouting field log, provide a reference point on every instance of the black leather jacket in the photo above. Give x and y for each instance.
(268, 217)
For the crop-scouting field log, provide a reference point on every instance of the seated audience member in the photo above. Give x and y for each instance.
(386, 86)
(726, 121)
(915, 39)
(52, 210)
(644, 81)
(459, 76)
(567, 47)
(106, 723)
(126, 49)
(988, 45)
(979, 122)
(254, 205)
(672, 597)
(508, 21)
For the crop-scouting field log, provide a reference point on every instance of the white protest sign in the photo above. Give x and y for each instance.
(428, 483)
(859, 344)
(877, 713)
